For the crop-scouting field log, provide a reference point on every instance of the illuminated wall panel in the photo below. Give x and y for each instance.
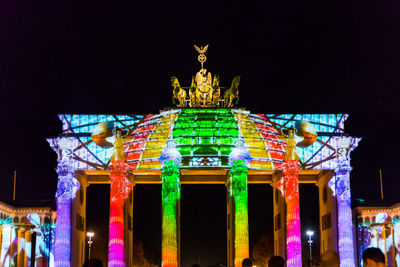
(314, 156)
(205, 137)
(87, 155)
(289, 187)
(156, 142)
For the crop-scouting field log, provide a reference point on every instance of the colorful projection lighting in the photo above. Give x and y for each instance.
(239, 159)
(171, 193)
(120, 188)
(289, 187)
(66, 190)
(340, 186)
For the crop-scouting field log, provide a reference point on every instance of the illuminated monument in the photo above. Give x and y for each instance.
(204, 140)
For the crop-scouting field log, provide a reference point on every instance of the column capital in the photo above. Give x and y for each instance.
(67, 185)
(170, 153)
(240, 152)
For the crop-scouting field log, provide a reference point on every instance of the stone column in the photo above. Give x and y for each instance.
(289, 187)
(21, 247)
(171, 193)
(66, 191)
(230, 224)
(340, 185)
(239, 158)
(119, 192)
(1, 237)
(13, 247)
(28, 248)
(120, 189)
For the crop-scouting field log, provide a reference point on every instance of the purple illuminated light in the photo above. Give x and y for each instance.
(340, 186)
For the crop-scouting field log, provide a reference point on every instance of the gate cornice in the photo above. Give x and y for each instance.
(196, 176)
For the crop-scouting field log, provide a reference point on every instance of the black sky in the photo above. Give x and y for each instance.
(118, 57)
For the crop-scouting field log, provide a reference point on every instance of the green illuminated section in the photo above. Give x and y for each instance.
(238, 176)
(171, 193)
(205, 137)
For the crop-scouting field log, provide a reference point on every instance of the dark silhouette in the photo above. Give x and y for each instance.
(247, 263)
(330, 259)
(276, 261)
(263, 249)
(93, 263)
(373, 257)
(196, 265)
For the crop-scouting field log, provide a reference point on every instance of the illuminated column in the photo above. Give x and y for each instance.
(21, 247)
(340, 186)
(119, 192)
(28, 248)
(239, 158)
(171, 193)
(230, 222)
(289, 186)
(120, 189)
(66, 191)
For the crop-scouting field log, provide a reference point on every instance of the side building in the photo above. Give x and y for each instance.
(379, 227)
(26, 236)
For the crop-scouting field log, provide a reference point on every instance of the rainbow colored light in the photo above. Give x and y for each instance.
(239, 159)
(120, 188)
(340, 186)
(205, 137)
(66, 190)
(289, 186)
(63, 232)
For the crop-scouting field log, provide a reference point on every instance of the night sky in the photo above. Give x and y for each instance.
(118, 56)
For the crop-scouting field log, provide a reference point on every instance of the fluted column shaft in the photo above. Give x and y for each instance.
(171, 193)
(66, 191)
(238, 176)
(289, 186)
(28, 248)
(120, 188)
(340, 185)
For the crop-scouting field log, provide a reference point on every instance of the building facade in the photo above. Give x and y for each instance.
(379, 227)
(26, 236)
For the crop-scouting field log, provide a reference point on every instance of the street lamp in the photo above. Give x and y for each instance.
(90, 241)
(310, 241)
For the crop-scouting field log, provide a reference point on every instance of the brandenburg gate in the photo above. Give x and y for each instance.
(204, 140)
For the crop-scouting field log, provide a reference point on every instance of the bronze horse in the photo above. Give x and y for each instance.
(178, 92)
(232, 93)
